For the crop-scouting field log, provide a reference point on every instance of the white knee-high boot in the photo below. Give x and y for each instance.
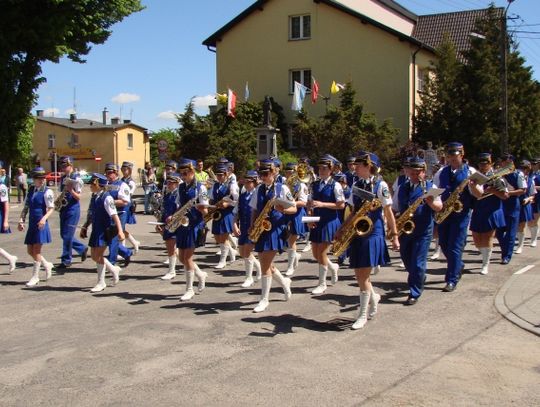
(266, 284)
(373, 303)
(47, 266)
(223, 256)
(114, 270)
(321, 288)
(134, 242)
(233, 241)
(521, 240)
(334, 272)
(10, 258)
(172, 269)
(189, 286)
(201, 277)
(100, 286)
(35, 275)
(291, 254)
(284, 282)
(257, 265)
(437, 251)
(248, 265)
(486, 255)
(362, 315)
(232, 252)
(534, 235)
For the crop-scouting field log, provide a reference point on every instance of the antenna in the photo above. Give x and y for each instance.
(121, 108)
(74, 99)
(131, 114)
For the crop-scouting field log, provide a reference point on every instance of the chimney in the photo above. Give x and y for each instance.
(115, 120)
(39, 113)
(105, 116)
(127, 121)
(73, 117)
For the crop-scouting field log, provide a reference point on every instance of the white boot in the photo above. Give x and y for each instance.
(47, 266)
(172, 269)
(307, 247)
(224, 254)
(134, 242)
(114, 270)
(437, 251)
(486, 254)
(232, 253)
(201, 276)
(334, 272)
(266, 284)
(35, 275)
(100, 286)
(11, 259)
(362, 315)
(375, 270)
(257, 265)
(248, 265)
(291, 254)
(373, 303)
(284, 282)
(321, 288)
(233, 241)
(189, 286)
(534, 235)
(521, 240)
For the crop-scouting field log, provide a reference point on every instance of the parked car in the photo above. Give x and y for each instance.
(53, 177)
(85, 176)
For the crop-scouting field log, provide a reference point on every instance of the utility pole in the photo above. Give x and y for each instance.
(504, 75)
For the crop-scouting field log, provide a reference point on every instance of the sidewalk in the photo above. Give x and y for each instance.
(518, 300)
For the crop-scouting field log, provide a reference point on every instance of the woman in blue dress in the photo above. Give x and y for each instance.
(273, 240)
(241, 228)
(4, 225)
(488, 214)
(326, 200)
(40, 205)
(370, 250)
(106, 225)
(188, 237)
(127, 170)
(533, 226)
(224, 194)
(526, 215)
(169, 207)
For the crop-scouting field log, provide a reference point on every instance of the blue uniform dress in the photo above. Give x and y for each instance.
(120, 189)
(225, 224)
(4, 202)
(453, 230)
(186, 236)
(507, 235)
(69, 219)
(536, 203)
(244, 216)
(275, 238)
(37, 207)
(297, 227)
(414, 247)
(370, 250)
(526, 211)
(130, 209)
(351, 178)
(487, 214)
(326, 228)
(101, 220)
(169, 207)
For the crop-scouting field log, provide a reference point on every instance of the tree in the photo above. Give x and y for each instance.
(170, 136)
(32, 32)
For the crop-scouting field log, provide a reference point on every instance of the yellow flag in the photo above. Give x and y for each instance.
(334, 88)
(221, 98)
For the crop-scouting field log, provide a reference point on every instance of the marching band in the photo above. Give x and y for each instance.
(269, 212)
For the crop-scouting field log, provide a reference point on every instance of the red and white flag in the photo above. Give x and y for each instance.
(231, 103)
(314, 91)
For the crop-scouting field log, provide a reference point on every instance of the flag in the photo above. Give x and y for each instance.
(298, 96)
(314, 91)
(336, 87)
(246, 93)
(231, 103)
(221, 97)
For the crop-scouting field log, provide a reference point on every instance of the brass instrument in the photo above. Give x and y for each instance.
(179, 218)
(405, 224)
(452, 204)
(60, 201)
(359, 225)
(262, 223)
(496, 176)
(215, 213)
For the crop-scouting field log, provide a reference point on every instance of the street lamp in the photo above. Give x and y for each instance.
(504, 53)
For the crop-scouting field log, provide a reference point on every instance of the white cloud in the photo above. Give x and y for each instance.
(168, 115)
(122, 98)
(200, 102)
(51, 112)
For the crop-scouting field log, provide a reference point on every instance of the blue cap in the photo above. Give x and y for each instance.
(351, 159)
(327, 159)
(454, 148)
(251, 175)
(375, 161)
(507, 157)
(221, 168)
(171, 164)
(38, 172)
(111, 167)
(99, 179)
(127, 164)
(173, 177)
(417, 163)
(277, 162)
(266, 165)
(223, 160)
(65, 160)
(290, 166)
(340, 176)
(484, 158)
(186, 163)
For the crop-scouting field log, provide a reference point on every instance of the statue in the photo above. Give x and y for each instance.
(267, 112)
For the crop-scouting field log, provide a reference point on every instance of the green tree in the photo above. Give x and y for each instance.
(32, 32)
(171, 137)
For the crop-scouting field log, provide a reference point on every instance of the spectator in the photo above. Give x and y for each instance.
(149, 186)
(22, 185)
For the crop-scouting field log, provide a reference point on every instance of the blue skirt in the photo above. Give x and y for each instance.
(168, 235)
(97, 238)
(482, 222)
(324, 232)
(368, 251)
(36, 236)
(272, 240)
(224, 225)
(130, 217)
(526, 213)
(186, 237)
(244, 239)
(296, 226)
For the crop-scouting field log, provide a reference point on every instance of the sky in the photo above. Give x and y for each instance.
(154, 62)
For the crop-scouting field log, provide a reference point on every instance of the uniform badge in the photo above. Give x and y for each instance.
(204, 196)
(50, 198)
(289, 196)
(3, 193)
(112, 205)
(386, 193)
(126, 191)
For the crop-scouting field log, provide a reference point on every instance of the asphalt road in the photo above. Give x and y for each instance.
(135, 344)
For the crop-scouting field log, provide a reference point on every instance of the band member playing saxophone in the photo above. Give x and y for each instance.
(415, 225)
(169, 208)
(268, 228)
(526, 216)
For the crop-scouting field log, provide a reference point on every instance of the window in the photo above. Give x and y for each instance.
(74, 141)
(52, 141)
(300, 27)
(421, 78)
(300, 75)
(130, 141)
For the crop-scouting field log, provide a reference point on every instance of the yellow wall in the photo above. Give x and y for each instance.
(341, 48)
(107, 145)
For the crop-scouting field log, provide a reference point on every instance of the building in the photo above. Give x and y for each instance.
(90, 143)
(383, 49)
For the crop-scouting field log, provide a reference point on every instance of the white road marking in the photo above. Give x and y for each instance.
(524, 269)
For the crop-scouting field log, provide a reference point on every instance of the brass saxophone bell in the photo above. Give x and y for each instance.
(408, 227)
(266, 225)
(363, 226)
(458, 206)
(184, 221)
(216, 216)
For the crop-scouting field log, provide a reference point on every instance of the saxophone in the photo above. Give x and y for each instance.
(405, 224)
(452, 204)
(179, 218)
(360, 225)
(60, 201)
(214, 213)
(262, 223)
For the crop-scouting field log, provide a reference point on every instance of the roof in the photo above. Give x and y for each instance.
(258, 5)
(458, 25)
(85, 124)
